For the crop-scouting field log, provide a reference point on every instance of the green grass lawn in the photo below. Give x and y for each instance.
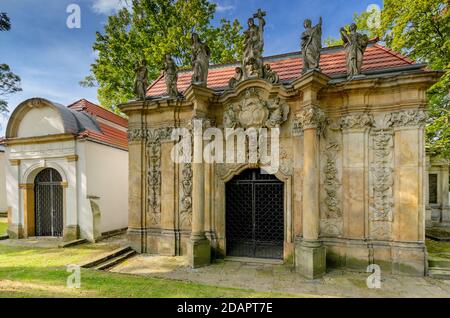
(441, 249)
(39, 272)
(3, 225)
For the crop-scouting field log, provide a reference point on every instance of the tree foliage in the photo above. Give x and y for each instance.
(9, 82)
(152, 29)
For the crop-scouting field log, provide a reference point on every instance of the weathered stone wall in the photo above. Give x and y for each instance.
(352, 160)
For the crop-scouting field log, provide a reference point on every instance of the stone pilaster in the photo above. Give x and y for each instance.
(310, 254)
(198, 247)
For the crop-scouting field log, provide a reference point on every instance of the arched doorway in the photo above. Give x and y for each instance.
(255, 216)
(48, 203)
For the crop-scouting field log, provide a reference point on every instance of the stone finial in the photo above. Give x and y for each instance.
(355, 45)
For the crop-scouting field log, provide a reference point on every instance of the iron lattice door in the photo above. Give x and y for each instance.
(255, 216)
(48, 196)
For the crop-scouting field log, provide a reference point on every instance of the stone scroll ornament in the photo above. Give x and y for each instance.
(252, 63)
(171, 76)
(311, 45)
(355, 45)
(200, 61)
(141, 80)
(255, 112)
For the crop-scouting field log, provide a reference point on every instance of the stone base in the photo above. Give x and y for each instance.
(199, 253)
(71, 233)
(446, 215)
(168, 243)
(15, 231)
(392, 257)
(310, 260)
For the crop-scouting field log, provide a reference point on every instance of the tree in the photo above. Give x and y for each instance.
(152, 29)
(420, 29)
(9, 82)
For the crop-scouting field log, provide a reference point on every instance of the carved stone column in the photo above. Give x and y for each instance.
(310, 254)
(198, 247)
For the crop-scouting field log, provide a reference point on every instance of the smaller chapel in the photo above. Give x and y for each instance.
(65, 171)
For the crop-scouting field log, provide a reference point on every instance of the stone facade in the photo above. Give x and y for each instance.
(352, 161)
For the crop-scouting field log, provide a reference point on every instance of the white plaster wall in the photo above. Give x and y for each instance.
(85, 220)
(40, 122)
(107, 171)
(3, 204)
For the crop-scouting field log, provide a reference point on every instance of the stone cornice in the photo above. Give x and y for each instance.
(39, 139)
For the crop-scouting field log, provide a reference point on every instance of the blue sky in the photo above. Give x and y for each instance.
(51, 59)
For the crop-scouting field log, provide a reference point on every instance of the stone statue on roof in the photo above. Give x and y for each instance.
(253, 63)
(200, 61)
(355, 45)
(171, 76)
(141, 80)
(254, 46)
(311, 45)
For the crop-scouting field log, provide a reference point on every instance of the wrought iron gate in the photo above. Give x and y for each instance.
(48, 197)
(255, 216)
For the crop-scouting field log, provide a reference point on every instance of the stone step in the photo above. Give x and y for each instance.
(115, 261)
(106, 258)
(72, 243)
(436, 261)
(439, 273)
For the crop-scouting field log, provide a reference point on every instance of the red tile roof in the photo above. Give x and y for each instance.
(289, 67)
(110, 134)
(98, 111)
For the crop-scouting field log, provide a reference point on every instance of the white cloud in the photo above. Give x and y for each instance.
(221, 8)
(108, 7)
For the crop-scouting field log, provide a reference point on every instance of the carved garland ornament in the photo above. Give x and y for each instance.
(406, 118)
(357, 121)
(255, 112)
(186, 198)
(154, 139)
(383, 182)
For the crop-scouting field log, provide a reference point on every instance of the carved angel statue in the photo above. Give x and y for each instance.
(238, 76)
(254, 46)
(171, 76)
(311, 45)
(279, 113)
(355, 45)
(200, 61)
(141, 80)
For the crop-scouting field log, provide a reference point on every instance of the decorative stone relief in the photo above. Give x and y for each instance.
(332, 183)
(332, 223)
(406, 118)
(255, 112)
(155, 137)
(186, 197)
(382, 203)
(357, 121)
(286, 164)
(309, 118)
